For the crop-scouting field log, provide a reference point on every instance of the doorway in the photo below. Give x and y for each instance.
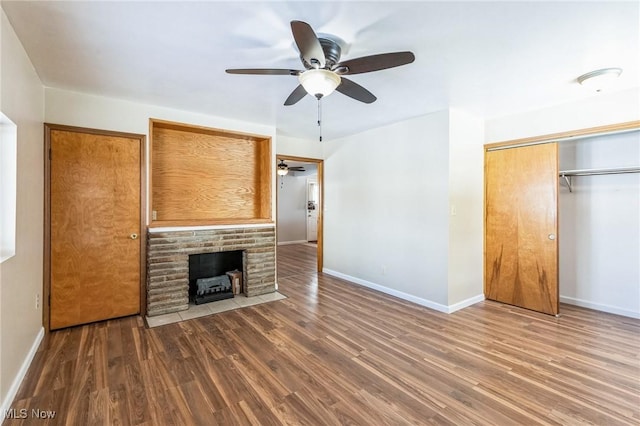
(309, 202)
(522, 259)
(521, 225)
(94, 226)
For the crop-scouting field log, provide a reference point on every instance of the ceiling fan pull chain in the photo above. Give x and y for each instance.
(320, 118)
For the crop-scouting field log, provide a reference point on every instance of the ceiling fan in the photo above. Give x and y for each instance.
(283, 168)
(324, 72)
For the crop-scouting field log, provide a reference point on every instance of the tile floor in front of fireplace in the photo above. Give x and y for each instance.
(196, 311)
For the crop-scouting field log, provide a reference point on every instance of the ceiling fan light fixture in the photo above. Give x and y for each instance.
(283, 169)
(600, 79)
(319, 82)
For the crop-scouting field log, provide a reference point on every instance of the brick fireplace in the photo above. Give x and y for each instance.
(168, 253)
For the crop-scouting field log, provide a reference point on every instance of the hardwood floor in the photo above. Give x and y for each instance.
(337, 353)
(296, 259)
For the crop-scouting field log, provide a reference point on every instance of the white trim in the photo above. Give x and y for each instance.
(207, 227)
(599, 307)
(286, 243)
(406, 296)
(13, 390)
(466, 303)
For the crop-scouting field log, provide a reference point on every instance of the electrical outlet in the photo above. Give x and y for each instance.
(384, 269)
(37, 300)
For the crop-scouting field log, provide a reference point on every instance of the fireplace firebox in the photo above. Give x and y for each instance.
(208, 275)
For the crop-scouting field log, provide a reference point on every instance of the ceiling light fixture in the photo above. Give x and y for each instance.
(283, 169)
(319, 82)
(600, 79)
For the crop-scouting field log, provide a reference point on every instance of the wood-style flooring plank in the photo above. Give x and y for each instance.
(334, 353)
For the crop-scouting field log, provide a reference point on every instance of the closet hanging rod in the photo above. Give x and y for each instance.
(608, 171)
(567, 174)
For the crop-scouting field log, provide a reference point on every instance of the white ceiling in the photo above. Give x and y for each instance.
(487, 58)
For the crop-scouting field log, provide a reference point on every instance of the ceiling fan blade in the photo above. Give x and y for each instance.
(374, 63)
(308, 43)
(297, 94)
(355, 91)
(262, 71)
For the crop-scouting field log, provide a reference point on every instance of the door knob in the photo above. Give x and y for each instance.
(133, 236)
(552, 237)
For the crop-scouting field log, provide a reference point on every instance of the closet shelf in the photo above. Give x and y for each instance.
(567, 174)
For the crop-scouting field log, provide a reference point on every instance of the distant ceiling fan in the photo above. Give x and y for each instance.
(283, 168)
(324, 72)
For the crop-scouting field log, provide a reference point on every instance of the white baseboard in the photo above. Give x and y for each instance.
(465, 303)
(406, 296)
(17, 381)
(285, 243)
(599, 307)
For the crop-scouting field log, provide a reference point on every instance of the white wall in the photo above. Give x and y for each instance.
(403, 209)
(466, 186)
(298, 147)
(590, 236)
(292, 208)
(599, 110)
(600, 226)
(78, 109)
(22, 101)
(386, 212)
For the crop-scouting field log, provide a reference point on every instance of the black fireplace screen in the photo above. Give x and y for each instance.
(208, 280)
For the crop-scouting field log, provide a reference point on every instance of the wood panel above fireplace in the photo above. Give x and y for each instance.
(205, 176)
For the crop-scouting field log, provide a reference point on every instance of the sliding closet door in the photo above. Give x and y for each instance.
(521, 226)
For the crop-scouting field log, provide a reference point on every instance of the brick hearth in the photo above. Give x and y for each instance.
(168, 262)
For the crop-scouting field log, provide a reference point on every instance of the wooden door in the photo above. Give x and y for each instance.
(521, 227)
(95, 225)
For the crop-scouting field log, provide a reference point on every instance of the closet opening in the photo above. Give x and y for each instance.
(575, 201)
